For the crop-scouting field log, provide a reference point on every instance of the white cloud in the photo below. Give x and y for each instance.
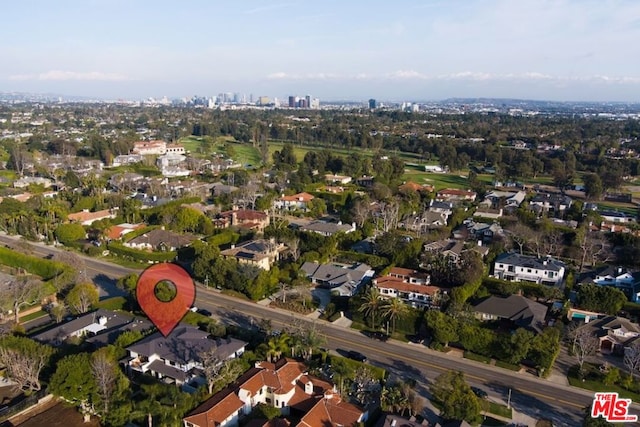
(58, 75)
(406, 74)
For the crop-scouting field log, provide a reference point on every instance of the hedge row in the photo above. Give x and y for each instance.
(44, 268)
(143, 256)
(139, 232)
(226, 237)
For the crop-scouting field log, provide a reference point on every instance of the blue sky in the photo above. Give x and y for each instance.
(570, 50)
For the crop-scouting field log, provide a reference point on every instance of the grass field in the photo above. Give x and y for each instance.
(243, 153)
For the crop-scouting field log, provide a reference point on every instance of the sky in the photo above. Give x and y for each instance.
(400, 50)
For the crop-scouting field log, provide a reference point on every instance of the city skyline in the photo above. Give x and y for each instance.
(422, 50)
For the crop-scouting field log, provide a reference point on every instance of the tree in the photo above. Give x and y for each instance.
(371, 304)
(632, 358)
(443, 328)
(211, 366)
(73, 381)
(69, 233)
(593, 187)
(24, 360)
(456, 397)
(603, 299)
(392, 311)
(81, 297)
(19, 292)
(519, 345)
(75, 262)
(585, 344)
(107, 377)
(277, 346)
(58, 311)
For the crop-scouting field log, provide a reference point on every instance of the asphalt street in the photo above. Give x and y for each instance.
(531, 395)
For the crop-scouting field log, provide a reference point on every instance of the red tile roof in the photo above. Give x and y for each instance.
(300, 197)
(90, 216)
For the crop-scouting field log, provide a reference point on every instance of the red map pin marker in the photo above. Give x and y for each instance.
(165, 315)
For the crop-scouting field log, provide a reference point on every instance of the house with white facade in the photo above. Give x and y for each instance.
(621, 278)
(298, 201)
(410, 286)
(337, 179)
(523, 268)
(617, 217)
(176, 357)
(147, 148)
(285, 385)
(85, 217)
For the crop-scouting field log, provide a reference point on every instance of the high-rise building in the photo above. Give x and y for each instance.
(292, 102)
(307, 101)
(372, 103)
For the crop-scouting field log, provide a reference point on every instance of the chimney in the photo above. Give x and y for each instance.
(308, 388)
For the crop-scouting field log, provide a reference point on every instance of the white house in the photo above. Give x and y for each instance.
(410, 286)
(298, 201)
(149, 148)
(175, 358)
(523, 268)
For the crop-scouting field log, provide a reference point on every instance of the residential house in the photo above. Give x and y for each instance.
(259, 253)
(298, 201)
(337, 179)
(176, 357)
(523, 268)
(26, 181)
(520, 311)
(456, 195)
(509, 200)
(149, 148)
(87, 218)
(365, 181)
(450, 248)
(243, 218)
(424, 223)
(483, 232)
(107, 323)
(622, 278)
(343, 279)
(617, 217)
(326, 228)
(175, 149)
(169, 160)
(411, 286)
(546, 202)
(116, 232)
(126, 159)
(219, 189)
(487, 213)
(285, 385)
(614, 333)
(160, 240)
(445, 208)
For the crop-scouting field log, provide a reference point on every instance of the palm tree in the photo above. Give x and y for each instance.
(394, 310)
(277, 346)
(371, 304)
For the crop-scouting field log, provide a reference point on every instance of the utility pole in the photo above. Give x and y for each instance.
(509, 400)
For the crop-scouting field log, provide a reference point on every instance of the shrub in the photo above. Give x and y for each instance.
(42, 267)
(67, 233)
(142, 256)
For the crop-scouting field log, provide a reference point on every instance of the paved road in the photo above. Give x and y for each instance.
(529, 394)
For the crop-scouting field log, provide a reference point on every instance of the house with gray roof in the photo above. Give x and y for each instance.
(615, 334)
(326, 228)
(523, 312)
(523, 268)
(176, 358)
(160, 239)
(101, 327)
(343, 279)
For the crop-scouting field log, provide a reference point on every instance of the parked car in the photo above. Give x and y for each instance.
(380, 336)
(479, 392)
(204, 312)
(356, 355)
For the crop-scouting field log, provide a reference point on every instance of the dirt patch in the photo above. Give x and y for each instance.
(60, 415)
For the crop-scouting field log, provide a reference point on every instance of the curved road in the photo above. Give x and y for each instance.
(529, 394)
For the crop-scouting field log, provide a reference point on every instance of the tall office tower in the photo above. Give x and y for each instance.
(307, 100)
(372, 103)
(292, 102)
(315, 104)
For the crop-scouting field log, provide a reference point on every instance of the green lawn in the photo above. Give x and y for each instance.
(36, 315)
(620, 207)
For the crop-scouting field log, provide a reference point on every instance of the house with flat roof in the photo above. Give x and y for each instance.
(285, 385)
(176, 358)
(523, 268)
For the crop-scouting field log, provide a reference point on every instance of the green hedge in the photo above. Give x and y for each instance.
(139, 232)
(477, 357)
(143, 256)
(42, 267)
(225, 237)
(372, 260)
